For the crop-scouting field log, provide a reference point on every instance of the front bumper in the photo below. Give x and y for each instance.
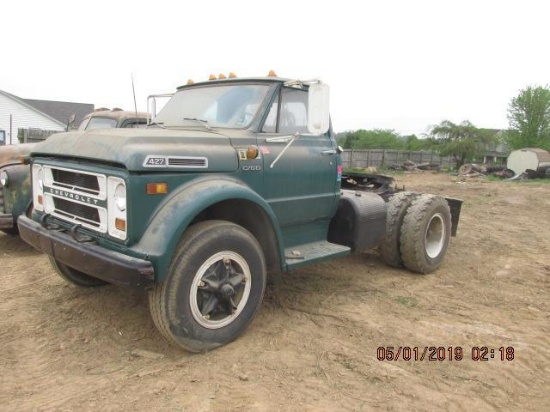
(88, 258)
(6, 221)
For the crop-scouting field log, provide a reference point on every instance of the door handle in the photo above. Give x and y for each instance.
(328, 152)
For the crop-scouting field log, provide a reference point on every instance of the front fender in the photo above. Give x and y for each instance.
(18, 191)
(177, 212)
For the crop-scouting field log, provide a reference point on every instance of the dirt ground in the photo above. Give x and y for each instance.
(314, 344)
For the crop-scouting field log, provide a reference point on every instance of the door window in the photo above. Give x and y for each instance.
(293, 113)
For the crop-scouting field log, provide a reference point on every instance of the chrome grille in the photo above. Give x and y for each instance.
(2, 199)
(76, 196)
(187, 161)
(74, 180)
(77, 211)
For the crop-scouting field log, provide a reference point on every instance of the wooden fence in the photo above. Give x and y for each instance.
(380, 158)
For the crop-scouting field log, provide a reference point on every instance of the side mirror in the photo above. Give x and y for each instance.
(151, 108)
(318, 108)
(70, 122)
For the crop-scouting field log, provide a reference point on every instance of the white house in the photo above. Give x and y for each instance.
(17, 113)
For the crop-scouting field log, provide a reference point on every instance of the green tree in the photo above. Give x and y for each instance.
(374, 139)
(415, 143)
(461, 141)
(529, 119)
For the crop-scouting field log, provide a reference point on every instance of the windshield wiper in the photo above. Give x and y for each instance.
(202, 122)
(159, 124)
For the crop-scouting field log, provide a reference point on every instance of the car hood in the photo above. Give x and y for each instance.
(13, 154)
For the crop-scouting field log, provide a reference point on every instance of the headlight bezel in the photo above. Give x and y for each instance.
(117, 206)
(120, 197)
(4, 178)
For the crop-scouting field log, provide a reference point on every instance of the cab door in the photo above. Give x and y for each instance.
(301, 171)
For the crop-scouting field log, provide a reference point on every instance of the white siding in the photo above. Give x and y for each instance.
(22, 117)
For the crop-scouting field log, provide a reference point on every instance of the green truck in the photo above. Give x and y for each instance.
(233, 179)
(15, 176)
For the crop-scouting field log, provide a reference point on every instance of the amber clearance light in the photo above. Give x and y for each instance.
(157, 188)
(252, 152)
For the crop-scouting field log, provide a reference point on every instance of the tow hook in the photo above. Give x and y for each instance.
(79, 238)
(46, 225)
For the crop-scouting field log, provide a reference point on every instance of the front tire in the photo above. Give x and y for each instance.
(425, 234)
(74, 276)
(214, 287)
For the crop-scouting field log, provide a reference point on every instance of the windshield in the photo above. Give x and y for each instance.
(232, 106)
(97, 123)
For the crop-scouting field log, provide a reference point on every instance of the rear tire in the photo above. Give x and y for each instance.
(74, 276)
(214, 287)
(425, 233)
(390, 247)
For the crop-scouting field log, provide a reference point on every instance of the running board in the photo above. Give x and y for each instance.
(308, 253)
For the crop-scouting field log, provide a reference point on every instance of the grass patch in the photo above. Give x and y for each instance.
(408, 302)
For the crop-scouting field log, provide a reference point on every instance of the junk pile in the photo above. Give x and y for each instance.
(410, 166)
(475, 170)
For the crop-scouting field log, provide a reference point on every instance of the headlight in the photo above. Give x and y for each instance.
(4, 178)
(120, 197)
(116, 206)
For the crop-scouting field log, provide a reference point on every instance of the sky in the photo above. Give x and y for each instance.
(394, 64)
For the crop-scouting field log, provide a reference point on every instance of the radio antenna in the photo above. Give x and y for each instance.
(134, 93)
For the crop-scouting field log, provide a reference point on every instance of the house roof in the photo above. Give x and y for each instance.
(57, 111)
(62, 111)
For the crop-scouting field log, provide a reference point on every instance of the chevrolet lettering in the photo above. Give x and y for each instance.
(74, 196)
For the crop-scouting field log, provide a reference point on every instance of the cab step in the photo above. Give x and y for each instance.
(308, 253)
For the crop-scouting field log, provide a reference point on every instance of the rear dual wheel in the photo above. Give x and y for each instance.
(389, 248)
(418, 231)
(425, 234)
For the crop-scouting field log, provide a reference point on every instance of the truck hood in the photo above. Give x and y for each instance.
(144, 149)
(13, 154)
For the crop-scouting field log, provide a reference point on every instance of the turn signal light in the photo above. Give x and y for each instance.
(120, 224)
(252, 152)
(157, 188)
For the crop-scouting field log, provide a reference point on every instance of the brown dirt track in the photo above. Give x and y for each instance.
(313, 346)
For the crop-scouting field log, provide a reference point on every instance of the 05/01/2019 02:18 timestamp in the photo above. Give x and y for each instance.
(444, 353)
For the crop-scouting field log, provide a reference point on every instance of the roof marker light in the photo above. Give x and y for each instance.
(222, 76)
(212, 77)
(190, 81)
(232, 75)
(272, 74)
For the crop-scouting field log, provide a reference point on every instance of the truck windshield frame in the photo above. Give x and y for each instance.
(232, 106)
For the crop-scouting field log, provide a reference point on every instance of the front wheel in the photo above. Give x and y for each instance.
(425, 234)
(214, 287)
